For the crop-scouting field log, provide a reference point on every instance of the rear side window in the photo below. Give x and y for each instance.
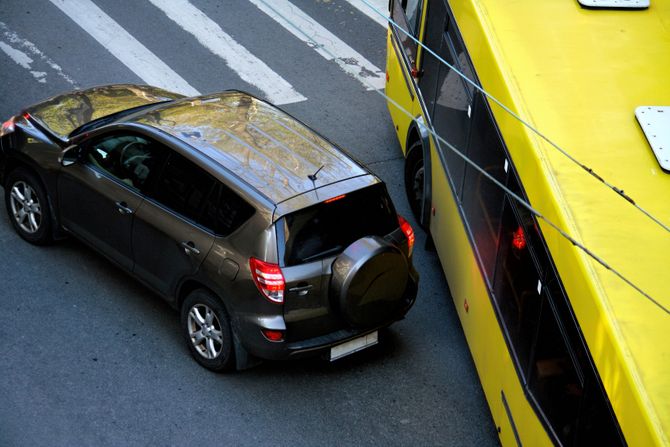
(225, 211)
(183, 186)
(188, 190)
(329, 227)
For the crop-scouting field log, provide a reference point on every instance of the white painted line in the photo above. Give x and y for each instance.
(380, 5)
(123, 46)
(246, 65)
(11, 47)
(323, 42)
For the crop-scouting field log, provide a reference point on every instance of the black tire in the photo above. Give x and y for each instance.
(196, 323)
(28, 207)
(414, 180)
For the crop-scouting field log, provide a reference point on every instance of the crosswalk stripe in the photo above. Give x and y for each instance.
(23, 58)
(323, 42)
(246, 65)
(123, 46)
(380, 5)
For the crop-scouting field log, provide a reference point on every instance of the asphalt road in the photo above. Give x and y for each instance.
(90, 357)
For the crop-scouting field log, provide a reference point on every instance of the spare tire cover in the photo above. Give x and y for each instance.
(368, 282)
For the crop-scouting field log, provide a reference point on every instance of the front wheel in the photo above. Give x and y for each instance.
(206, 327)
(414, 180)
(28, 206)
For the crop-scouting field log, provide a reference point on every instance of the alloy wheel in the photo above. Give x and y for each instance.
(25, 207)
(204, 330)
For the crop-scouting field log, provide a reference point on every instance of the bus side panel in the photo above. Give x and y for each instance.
(474, 307)
(399, 86)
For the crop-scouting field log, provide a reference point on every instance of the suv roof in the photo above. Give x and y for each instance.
(267, 148)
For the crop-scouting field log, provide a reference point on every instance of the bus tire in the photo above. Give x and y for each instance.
(414, 181)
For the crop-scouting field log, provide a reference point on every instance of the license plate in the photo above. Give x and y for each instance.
(355, 345)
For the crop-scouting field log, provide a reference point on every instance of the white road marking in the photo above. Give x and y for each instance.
(11, 47)
(123, 46)
(323, 42)
(380, 5)
(246, 65)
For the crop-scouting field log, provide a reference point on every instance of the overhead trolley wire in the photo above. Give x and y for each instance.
(482, 171)
(536, 131)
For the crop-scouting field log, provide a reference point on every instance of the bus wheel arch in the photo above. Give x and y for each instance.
(418, 172)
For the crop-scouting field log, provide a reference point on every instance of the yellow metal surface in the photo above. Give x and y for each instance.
(400, 88)
(578, 75)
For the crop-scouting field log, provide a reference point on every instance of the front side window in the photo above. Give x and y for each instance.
(131, 159)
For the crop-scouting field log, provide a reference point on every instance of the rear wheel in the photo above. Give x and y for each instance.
(28, 206)
(414, 180)
(206, 327)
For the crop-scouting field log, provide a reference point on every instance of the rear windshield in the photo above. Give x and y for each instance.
(328, 228)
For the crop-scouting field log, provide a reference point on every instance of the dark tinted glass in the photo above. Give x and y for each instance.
(554, 381)
(225, 211)
(452, 111)
(596, 425)
(412, 10)
(183, 186)
(483, 199)
(436, 22)
(516, 287)
(328, 228)
(131, 159)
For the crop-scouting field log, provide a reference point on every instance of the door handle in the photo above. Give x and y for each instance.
(189, 248)
(301, 290)
(122, 208)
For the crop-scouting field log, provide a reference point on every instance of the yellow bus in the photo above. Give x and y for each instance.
(569, 330)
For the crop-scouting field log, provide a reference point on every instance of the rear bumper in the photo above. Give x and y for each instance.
(251, 337)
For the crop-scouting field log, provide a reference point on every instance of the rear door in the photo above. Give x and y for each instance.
(99, 195)
(310, 239)
(169, 238)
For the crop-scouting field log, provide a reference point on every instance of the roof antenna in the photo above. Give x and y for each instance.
(312, 177)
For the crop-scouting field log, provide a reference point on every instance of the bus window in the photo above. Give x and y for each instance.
(482, 199)
(554, 381)
(452, 113)
(407, 14)
(412, 9)
(516, 287)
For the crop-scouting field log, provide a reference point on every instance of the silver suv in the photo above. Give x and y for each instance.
(271, 241)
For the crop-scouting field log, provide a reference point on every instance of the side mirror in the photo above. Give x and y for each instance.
(69, 156)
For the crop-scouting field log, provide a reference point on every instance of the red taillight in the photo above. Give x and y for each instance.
(519, 239)
(409, 233)
(268, 278)
(273, 335)
(7, 127)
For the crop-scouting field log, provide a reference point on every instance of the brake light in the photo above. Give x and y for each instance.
(409, 233)
(268, 278)
(341, 196)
